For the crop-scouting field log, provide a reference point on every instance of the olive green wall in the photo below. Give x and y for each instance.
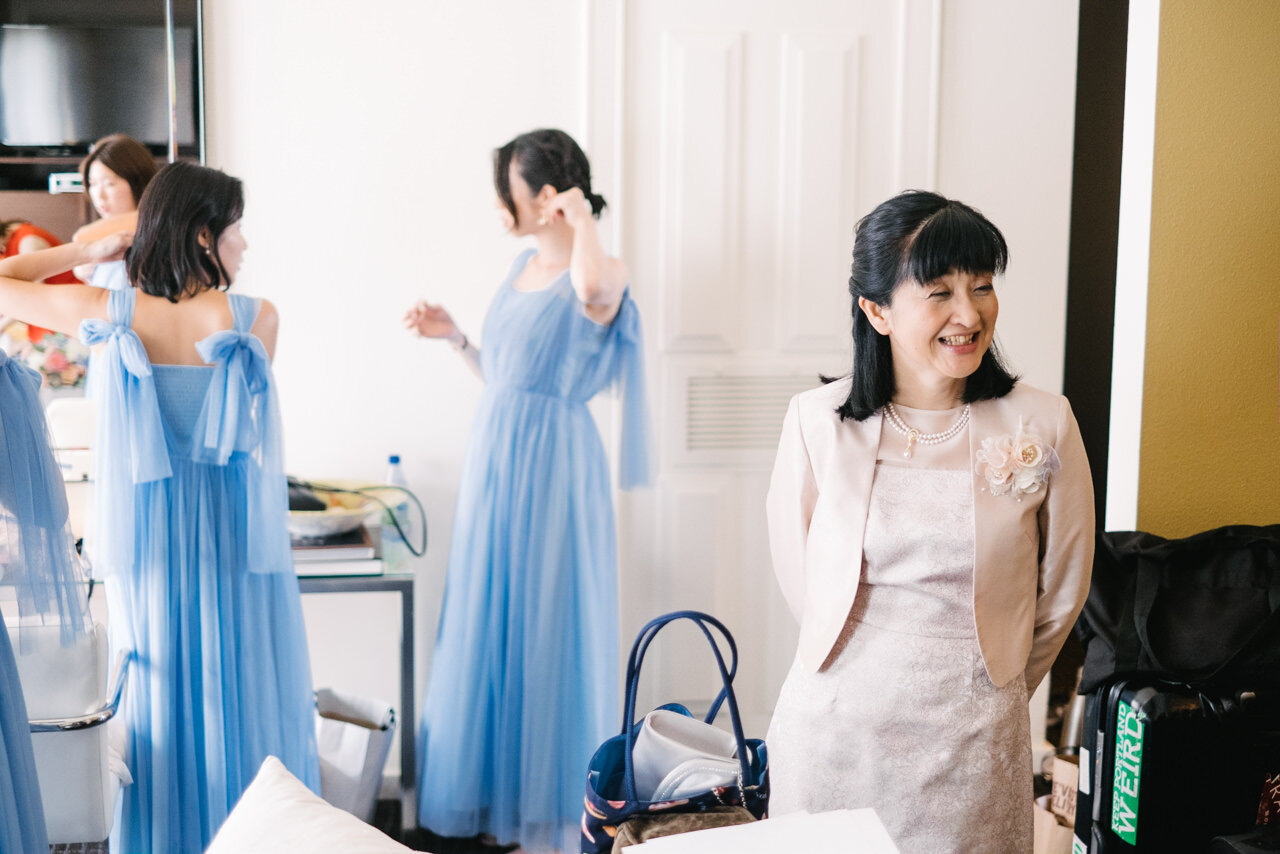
(1210, 450)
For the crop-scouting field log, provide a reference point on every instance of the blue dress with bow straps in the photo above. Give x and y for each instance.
(190, 532)
(40, 570)
(524, 682)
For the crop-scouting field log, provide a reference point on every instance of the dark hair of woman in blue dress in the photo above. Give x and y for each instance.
(182, 202)
(546, 156)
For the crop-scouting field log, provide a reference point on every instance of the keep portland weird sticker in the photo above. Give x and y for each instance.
(1124, 790)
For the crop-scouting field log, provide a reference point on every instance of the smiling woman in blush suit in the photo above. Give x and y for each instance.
(931, 524)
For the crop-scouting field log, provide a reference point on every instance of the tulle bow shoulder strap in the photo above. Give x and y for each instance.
(633, 467)
(232, 417)
(240, 420)
(130, 447)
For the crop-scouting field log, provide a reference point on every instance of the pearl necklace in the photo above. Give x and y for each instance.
(915, 436)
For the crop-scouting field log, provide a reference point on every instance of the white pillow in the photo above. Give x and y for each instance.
(278, 813)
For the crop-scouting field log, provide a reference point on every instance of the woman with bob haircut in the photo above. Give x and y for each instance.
(523, 676)
(115, 173)
(191, 507)
(931, 526)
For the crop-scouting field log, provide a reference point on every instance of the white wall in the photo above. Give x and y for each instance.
(363, 135)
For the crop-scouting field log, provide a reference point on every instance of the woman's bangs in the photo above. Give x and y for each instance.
(956, 238)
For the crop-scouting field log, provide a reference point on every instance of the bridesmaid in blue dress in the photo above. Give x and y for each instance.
(38, 561)
(523, 678)
(191, 509)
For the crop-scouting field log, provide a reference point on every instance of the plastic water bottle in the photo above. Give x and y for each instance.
(395, 551)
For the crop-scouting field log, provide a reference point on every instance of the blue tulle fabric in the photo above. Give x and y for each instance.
(523, 683)
(110, 276)
(198, 585)
(240, 415)
(22, 827)
(39, 562)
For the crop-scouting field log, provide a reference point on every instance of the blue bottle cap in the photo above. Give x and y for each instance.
(394, 459)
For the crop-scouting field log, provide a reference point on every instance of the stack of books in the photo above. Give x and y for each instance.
(352, 553)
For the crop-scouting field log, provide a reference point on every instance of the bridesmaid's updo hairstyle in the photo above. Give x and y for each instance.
(544, 157)
(124, 156)
(917, 237)
(166, 258)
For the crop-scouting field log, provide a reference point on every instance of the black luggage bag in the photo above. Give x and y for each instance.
(1189, 631)
(1170, 767)
(1204, 609)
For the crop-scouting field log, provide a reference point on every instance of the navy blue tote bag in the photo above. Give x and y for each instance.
(611, 796)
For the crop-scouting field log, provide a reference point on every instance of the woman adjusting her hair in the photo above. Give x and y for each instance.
(115, 173)
(191, 507)
(523, 680)
(931, 525)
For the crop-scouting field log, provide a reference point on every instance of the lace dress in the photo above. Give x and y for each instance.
(903, 716)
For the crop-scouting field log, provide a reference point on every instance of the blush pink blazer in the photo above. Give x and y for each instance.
(1032, 557)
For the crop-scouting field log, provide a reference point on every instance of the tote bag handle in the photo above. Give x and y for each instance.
(638, 649)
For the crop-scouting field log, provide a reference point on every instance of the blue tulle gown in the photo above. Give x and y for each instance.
(523, 684)
(39, 564)
(192, 505)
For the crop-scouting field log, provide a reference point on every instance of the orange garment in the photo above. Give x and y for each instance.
(35, 333)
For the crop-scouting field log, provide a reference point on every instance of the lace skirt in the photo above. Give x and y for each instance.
(912, 726)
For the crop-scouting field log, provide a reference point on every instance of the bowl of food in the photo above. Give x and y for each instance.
(328, 509)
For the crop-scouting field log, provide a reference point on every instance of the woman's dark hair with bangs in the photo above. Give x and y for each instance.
(544, 156)
(166, 258)
(917, 236)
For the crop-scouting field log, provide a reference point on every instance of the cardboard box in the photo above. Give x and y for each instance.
(1050, 836)
(1066, 780)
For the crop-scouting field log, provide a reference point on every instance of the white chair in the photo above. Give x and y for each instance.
(69, 704)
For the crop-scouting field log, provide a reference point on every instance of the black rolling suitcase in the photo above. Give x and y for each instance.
(1170, 767)
(1188, 631)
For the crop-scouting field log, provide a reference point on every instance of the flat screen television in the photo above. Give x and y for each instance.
(67, 86)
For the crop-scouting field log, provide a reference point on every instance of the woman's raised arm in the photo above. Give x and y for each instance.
(61, 307)
(598, 279)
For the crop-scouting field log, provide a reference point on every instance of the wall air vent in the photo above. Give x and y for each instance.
(740, 413)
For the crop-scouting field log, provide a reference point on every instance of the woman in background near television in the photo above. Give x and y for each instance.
(931, 524)
(115, 173)
(523, 681)
(38, 563)
(191, 507)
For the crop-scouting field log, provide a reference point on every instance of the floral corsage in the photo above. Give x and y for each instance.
(1017, 464)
